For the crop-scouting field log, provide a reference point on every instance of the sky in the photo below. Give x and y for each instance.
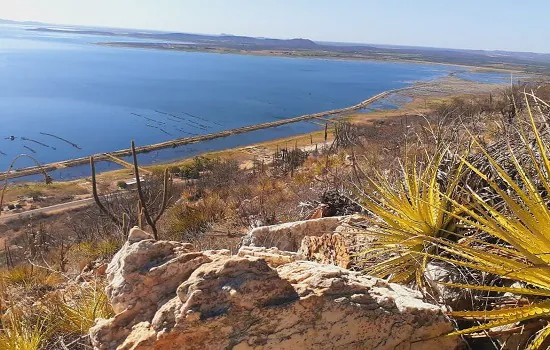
(468, 24)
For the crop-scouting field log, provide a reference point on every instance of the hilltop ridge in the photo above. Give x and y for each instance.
(300, 47)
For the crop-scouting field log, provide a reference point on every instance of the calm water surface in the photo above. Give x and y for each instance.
(102, 97)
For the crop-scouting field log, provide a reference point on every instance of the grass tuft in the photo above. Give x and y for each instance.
(20, 333)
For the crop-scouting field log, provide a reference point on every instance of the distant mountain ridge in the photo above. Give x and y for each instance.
(261, 41)
(7, 21)
(198, 38)
(299, 47)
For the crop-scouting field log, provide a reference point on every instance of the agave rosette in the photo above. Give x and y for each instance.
(523, 231)
(419, 204)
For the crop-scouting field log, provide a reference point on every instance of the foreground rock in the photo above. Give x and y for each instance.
(168, 297)
(344, 247)
(289, 236)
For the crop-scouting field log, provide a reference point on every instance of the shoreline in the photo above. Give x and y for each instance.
(411, 101)
(431, 86)
(305, 48)
(110, 156)
(446, 86)
(288, 54)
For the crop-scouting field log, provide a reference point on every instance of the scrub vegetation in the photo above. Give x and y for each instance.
(462, 187)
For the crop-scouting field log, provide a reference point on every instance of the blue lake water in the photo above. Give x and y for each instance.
(102, 97)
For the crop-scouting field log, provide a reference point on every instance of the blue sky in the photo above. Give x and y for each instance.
(481, 24)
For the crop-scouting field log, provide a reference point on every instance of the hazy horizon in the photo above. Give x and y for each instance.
(468, 25)
(232, 34)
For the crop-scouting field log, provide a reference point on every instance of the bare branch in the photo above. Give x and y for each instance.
(150, 221)
(96, 196)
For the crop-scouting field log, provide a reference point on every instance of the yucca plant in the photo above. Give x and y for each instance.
(418, 203)
(520, 250)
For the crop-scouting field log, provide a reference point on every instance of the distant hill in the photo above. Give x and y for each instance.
(232, 41)
(7, 21)
(533, 62)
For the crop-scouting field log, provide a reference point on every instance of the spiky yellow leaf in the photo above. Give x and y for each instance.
(502, 317)
(523, 291)
(539, 339)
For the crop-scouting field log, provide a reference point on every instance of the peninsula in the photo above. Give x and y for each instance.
(305, 48)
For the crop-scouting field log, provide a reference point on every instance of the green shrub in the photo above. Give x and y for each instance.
(190, 172)
(174, 170)
(122, 184)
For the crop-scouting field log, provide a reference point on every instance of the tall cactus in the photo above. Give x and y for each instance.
(142, 210)
(152, 222)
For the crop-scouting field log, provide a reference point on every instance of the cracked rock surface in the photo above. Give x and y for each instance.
(167, 296)
(289, 236)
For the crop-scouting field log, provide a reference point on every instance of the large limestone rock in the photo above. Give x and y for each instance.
(169, 297)
(273, 256)
(344, 247)
(289, 236)
(340, 249)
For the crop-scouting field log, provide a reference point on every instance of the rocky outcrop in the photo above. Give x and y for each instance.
(168, 297)
(289, 236)
(344, 247)
(455, 298)
(273, 256)
(338, 249)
